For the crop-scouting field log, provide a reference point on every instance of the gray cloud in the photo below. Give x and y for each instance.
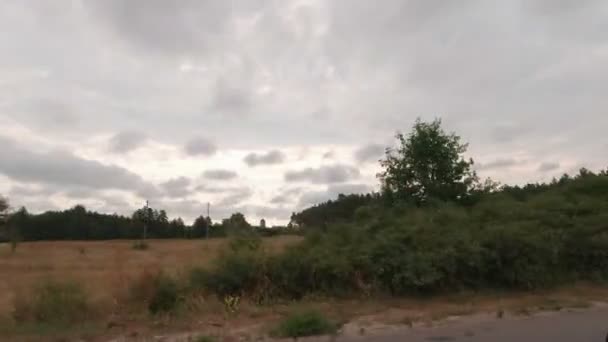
(126, 141)
(219, 174)
(200, 146)
(269, 158)
(235, 198)
(286, 196)
(214, 189)
(548, 166)
(328, 155)
(62, 168)
(497, 164)
(177, 187)
(369, 153)
(324, 175)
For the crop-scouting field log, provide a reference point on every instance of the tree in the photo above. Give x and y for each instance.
(429, 163)
(262, 223)
(200, 227)
(236, 222)
(3, 209)
(3, 217)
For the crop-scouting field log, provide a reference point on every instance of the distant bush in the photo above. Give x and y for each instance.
(167, 296)
(157, 291)
(310, 323)
(140, 245)
(52, 302)
(236, 273)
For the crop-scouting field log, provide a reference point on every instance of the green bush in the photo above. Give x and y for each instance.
(531, 238)
(166, 297)
(236, 273)
(310, 323)
(54, 303)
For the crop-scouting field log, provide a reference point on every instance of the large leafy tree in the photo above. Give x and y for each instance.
(3, 209)
(428, 163)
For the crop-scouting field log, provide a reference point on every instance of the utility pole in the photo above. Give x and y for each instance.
(146, 220)
(207, 225)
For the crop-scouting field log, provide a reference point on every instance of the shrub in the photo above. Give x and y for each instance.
(198, 279)
(52, 302)
(157, 291)
(166, 297)
(140, 245)
(236, 273)
(303, 324)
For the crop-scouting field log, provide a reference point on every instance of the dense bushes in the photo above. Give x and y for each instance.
(539, 240)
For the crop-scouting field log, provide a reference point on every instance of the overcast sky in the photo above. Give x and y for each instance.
(269, 106)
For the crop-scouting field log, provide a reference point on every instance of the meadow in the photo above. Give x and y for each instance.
(104, 267)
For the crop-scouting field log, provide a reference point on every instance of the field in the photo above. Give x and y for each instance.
(103, 267)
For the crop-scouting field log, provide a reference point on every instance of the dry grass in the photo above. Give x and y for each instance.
(103, 267)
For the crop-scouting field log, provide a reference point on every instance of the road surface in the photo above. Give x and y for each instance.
(589, 325)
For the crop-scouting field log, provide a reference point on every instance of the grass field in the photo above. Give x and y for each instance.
(103, 267)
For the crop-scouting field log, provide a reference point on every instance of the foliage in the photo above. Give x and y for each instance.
(427, 164)
(166, 297)
(339, 210)
(529, 238)
(52, 302)
(309, 323)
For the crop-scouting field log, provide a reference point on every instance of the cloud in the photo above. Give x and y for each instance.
(269, 158)
(126, 141)
(323, 175)
(235, 198)
(200, 146)
(177, 187)
(229, 98)
(314, 197)
(286, 196)
(328, 155)
(219, 174)
(369, 153)
(548, 166)
(213, 189)
(497, 164)
(61, 168)
(247, 75)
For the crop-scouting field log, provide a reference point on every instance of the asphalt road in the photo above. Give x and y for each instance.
(590, 325)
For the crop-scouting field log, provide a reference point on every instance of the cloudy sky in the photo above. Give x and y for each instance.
(269, 106)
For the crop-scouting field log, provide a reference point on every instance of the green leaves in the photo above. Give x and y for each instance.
(428, 163)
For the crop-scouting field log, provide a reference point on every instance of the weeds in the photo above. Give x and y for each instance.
(309, 323)
(52, 303)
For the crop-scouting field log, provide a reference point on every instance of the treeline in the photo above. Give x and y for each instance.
(344, 208)
(78, 223)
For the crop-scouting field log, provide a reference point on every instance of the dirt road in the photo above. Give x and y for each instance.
(590, 325)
